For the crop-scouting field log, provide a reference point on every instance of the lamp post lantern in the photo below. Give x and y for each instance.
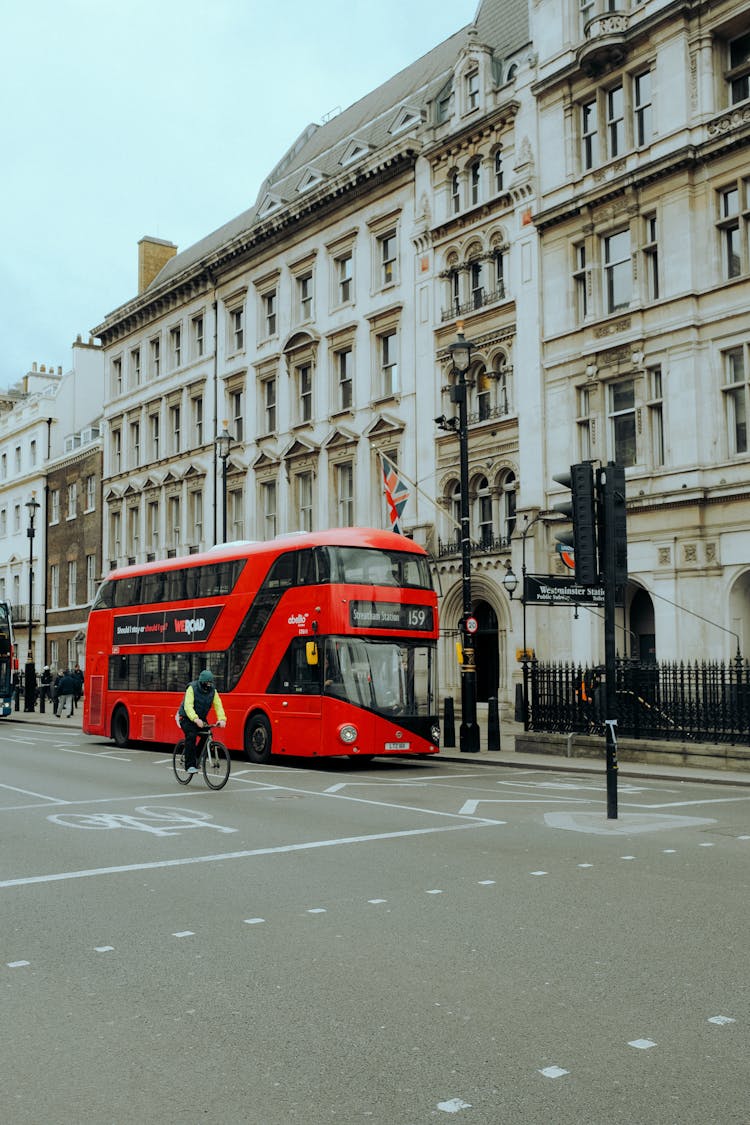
(460, 352)
(223, 445)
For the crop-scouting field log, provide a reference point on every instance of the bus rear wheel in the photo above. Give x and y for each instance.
(120, 727)
(258, 740)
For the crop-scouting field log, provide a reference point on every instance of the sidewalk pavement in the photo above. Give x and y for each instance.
(506, 756)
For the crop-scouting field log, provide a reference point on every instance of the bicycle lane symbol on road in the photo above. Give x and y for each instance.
(159, 821)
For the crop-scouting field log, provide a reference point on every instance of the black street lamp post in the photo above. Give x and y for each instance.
(460, 352)
(30, 674)
(223, 445)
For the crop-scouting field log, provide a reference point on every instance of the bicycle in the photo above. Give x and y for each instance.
(213, 759)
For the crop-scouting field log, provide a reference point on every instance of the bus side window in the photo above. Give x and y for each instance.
(322, 564)
(150, 672)
(283, 572)
(177, 674)
(118, 670)
(152, 587)
(175, 586)
(192, 582)
(305, 568)
(128, 591)
(105, 598)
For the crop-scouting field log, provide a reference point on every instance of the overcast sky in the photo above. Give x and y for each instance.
(161, 117)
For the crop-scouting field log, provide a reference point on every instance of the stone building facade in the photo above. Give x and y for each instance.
(569, 181)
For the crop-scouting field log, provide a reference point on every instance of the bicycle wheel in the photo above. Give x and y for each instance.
(178, 764)
(216, 764)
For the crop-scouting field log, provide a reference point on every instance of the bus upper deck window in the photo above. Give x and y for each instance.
(152, 586)
(128, 591)
(105, 598)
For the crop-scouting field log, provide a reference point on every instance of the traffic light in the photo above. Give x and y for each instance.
(613, 533)
(581, 508)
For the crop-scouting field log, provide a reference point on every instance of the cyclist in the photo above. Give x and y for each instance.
(200, 697)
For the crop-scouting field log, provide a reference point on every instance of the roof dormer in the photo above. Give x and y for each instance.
(354, 151)
(310, 179)
(407, 117)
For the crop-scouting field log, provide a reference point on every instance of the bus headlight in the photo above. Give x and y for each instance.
(348, 734)
(435, 733)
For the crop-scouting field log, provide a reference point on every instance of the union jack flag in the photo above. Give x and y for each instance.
(396, 492)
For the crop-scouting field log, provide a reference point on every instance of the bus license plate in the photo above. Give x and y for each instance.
(398, 745)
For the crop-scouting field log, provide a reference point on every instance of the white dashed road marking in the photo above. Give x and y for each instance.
(454, 1105)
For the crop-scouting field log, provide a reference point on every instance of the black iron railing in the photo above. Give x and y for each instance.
(20, 613)
(479, 299)
(702, 701)
(488, 544)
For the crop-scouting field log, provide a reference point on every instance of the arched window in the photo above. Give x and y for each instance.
(501, 376)
(499, 278)
(483, 394)
(475, 181)
(455, 193)
(476, 275)
(498, 169)
(508, 493)
(455, 510)
(484, 513)
(453, 288)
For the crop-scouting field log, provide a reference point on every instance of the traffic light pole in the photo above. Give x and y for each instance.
(600, 542)
(610, 673)
(613, 557)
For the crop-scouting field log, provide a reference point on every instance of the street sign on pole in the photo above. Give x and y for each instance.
(559, 589)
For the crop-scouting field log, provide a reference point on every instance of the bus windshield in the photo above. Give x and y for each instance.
(367, 566)
(391, 677)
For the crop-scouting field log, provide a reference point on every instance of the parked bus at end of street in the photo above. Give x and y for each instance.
(320, 643)
(8, 660)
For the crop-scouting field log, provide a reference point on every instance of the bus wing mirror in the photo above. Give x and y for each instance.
(311, 651)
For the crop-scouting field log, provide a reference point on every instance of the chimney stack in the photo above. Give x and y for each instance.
(153, 255)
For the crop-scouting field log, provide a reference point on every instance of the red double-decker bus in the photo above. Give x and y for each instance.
(320, 644)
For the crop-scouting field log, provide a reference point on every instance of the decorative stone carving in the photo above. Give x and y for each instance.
(728, 121)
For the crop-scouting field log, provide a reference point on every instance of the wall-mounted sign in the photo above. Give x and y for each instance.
(556, 589)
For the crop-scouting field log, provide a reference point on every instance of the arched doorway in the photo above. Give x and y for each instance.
(487, 651)
(643, 628)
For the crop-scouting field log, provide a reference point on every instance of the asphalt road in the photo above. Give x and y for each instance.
(398, 944)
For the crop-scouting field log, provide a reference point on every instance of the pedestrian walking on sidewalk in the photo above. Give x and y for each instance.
(77, 675)
(45, 684)
(65, 694)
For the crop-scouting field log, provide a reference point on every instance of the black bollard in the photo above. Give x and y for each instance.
(520, 713)
(42, 693)
(493, 724)
(449, 724)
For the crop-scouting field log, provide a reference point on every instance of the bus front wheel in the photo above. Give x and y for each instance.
(120, 727)
(258, 740)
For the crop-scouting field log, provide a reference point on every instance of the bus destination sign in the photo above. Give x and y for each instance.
(171, 626)
(390, 615)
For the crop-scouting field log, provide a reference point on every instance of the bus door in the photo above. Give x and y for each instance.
(294, 700)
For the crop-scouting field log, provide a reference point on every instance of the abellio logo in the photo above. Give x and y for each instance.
(189, 625)
(298, 619)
